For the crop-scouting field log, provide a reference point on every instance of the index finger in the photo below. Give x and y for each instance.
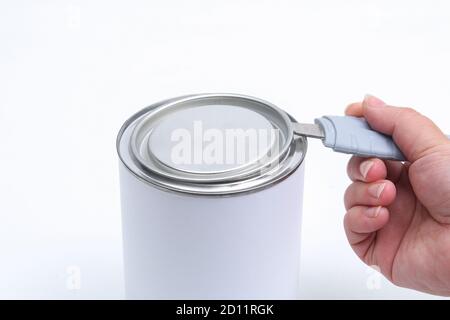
(366, 169)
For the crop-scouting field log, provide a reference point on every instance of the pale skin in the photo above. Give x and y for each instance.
(398, 215)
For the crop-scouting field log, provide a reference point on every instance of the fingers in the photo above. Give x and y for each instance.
(366, 170)
(415, 134)
(361, 223)
(379, 193)
(366, 200)
(373, 169)
(354, 109)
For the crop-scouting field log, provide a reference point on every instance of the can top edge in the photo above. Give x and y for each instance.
(211, 144)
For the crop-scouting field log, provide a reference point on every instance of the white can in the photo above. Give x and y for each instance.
(198, 227)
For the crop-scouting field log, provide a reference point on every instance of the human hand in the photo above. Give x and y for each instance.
(398, 214)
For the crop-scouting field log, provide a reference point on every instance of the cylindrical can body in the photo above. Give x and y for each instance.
(211, 189)
(181, 246)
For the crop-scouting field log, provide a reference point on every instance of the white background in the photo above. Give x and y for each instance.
(72, 71)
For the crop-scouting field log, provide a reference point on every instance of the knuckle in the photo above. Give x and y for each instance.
(347, 191)
(409, 112)
(348, 195)
(346, 218)
(350, 165)
(349, 214)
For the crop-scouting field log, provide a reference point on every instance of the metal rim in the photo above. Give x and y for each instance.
(290, 157)
(140, 132)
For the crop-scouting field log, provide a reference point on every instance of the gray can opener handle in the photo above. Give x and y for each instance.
(353, 135)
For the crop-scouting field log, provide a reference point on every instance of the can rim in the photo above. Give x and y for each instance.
(143, 128)
(293, 155)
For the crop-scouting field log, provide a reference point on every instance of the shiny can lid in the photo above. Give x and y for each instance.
(214, 144)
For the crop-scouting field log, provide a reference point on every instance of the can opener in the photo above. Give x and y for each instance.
(351, 135)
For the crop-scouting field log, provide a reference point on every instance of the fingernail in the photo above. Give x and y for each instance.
(376, 190)
(372, 101)
(365, 167)
(372, 212)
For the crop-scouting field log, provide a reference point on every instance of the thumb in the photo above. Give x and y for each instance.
(414, 134)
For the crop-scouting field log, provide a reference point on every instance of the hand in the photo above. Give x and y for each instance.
(398, 215)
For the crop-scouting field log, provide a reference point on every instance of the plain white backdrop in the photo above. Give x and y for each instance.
(72, 71)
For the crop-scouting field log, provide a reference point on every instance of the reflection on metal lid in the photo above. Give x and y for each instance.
(211, 144)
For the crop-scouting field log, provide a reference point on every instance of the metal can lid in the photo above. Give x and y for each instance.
(213, 144)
